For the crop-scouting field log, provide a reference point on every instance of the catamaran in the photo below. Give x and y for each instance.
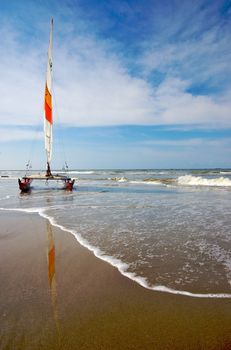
(25, 182)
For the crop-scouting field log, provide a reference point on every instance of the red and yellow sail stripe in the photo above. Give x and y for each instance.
(48, 105)
(48, 120)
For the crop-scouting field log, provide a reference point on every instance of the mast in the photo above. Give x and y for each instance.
(48, 105)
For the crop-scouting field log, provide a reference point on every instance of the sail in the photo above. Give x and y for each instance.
(24, 183)
(48, 102)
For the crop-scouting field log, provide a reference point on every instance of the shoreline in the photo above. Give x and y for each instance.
(118, 264)
(89, 304)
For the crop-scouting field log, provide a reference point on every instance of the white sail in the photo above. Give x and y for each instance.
(48, 102)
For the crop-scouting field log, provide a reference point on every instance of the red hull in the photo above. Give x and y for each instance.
(68, 185)
(24, 184)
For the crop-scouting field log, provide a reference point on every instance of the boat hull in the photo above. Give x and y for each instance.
(24, 184)
(68, 185)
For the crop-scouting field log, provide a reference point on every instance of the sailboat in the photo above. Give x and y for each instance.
(25, 182)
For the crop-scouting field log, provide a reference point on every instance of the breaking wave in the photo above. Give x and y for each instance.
(86, 172)
(148, 182)
(190, 180)
(119, 179)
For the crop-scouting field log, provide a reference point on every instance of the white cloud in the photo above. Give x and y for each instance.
(101, 92)
(176, 106)
(93, 87)
(189, 40)
(21, 80)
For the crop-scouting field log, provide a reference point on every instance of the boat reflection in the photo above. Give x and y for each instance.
(51, 274)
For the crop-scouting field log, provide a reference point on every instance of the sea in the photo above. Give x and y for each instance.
(167, 230)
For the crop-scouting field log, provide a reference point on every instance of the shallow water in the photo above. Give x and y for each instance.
(169, 230)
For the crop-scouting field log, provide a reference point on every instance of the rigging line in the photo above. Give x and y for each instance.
(32, 143)
(60, 139)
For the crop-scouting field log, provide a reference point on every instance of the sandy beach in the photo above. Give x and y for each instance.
(69, 299)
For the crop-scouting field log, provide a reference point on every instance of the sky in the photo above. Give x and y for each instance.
(136, 83)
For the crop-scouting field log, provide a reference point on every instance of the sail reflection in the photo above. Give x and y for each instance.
(51, 256)
(51, 274)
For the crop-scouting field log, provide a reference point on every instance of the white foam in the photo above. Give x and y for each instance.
(25, 210)
(118, 264)
(6, 197)
(225, 172)
(189, 180)
(147, 182)
(87, 172)
(119, 179)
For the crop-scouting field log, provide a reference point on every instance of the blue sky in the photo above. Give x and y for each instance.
(137, 84)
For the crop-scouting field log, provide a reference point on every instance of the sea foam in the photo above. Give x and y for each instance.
(86, 172)
(117, 263)
(4, 198)
(190, 180)
(146, 182)
(119, 179)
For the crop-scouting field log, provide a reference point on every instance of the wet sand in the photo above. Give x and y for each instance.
(69, 299)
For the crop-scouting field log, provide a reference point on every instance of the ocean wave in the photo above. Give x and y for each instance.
(210, 171)
(10, 177)
(152, 181)
(190, 180)
(123, 267)
(225, 172)
(118, 179)
(86, 172)
(117, 263)
(205, 171)
(163, 181)
(6, 197)
(146, 182)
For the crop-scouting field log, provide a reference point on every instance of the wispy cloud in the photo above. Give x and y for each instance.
(93, 82)
(193, 142)
(16, 134)
(185, 33)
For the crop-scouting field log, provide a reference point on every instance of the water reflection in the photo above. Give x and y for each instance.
(51, 274)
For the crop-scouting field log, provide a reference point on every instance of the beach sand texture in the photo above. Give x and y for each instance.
(69, 299)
